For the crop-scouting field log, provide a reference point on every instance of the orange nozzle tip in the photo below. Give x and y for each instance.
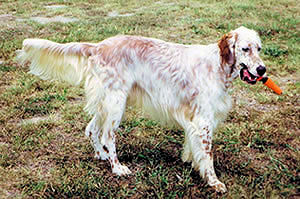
(269, 83)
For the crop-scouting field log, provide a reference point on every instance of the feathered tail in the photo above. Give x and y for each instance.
(54, 61)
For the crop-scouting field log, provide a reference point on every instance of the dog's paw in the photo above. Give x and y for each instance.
(101, 155)
(220, 187)
(217, 186)
(121, 170)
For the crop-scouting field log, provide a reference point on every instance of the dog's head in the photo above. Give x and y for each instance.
(240, 50)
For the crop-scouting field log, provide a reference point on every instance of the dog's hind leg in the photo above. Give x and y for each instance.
(187, 153)
(93, 132)
(112, 109)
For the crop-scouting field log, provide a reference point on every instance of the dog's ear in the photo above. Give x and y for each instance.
(227, 48)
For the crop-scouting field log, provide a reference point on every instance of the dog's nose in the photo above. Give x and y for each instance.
(261, 70)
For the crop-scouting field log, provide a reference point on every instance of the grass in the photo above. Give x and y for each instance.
(43, 151)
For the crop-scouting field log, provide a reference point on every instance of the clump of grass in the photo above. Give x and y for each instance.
(275, 51)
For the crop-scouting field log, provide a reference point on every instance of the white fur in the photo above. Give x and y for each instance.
(178, 84)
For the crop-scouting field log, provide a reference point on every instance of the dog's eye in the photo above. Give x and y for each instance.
(259, 49)
(245, 49)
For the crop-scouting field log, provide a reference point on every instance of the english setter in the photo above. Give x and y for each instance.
(185, 85)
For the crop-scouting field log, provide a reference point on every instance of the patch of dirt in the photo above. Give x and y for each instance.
(6, 17)
(45, 20)
(265, 107)
(38, 119)
(56, 7)
(242, 98)
(6, 20)
(116, 14)
(41, 167)
(284, 82)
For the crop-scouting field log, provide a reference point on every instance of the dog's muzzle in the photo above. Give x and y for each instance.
(249, 77)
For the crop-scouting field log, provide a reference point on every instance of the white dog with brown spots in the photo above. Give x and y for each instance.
(186, 85)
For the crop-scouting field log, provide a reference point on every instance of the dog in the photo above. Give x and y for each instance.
(183, 85)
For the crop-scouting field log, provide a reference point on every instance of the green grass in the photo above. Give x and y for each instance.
(43, 151)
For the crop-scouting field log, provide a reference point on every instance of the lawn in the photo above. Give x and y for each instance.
(43, 150)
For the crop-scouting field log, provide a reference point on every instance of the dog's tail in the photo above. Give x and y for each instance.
(54, 61)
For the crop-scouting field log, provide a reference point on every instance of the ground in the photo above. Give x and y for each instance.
(43, 150)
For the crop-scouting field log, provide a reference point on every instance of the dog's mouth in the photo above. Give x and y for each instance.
(247, 76)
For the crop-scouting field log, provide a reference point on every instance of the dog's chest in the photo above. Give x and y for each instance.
(222, 107)
(214, 101)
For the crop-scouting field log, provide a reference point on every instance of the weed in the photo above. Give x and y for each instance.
(275, 51)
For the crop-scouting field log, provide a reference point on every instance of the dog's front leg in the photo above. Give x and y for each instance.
(199, 142)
